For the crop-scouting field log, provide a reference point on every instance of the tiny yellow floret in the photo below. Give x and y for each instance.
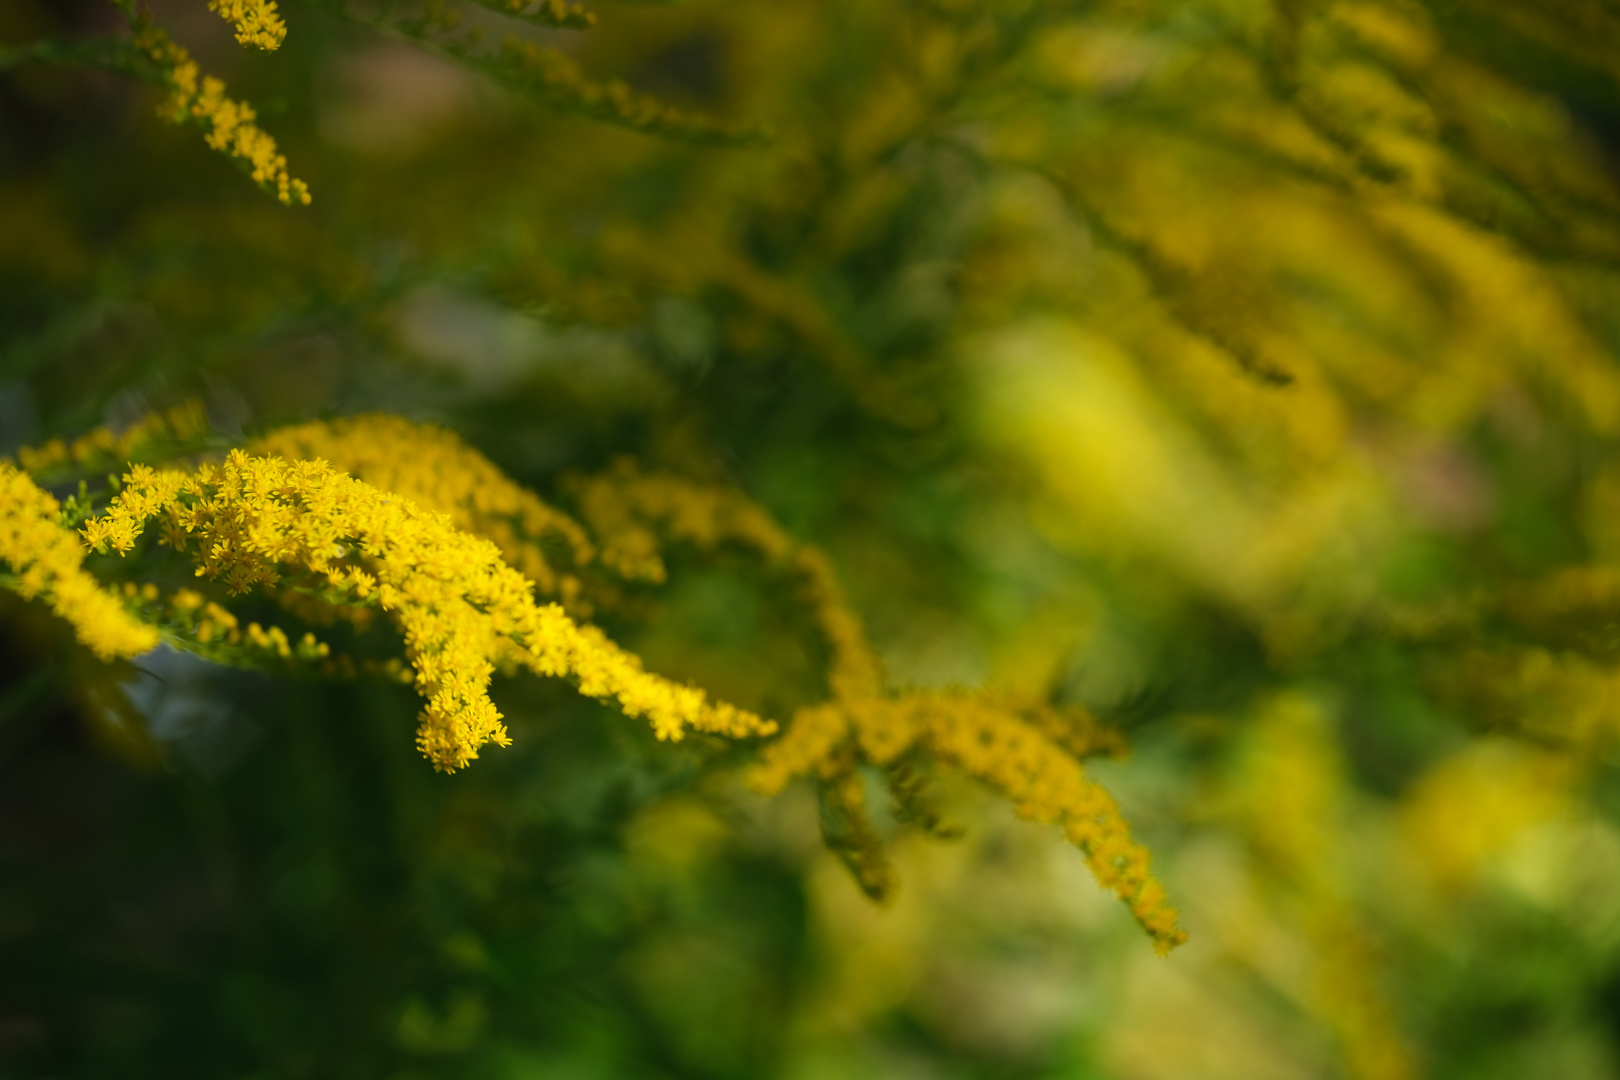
(256, 21)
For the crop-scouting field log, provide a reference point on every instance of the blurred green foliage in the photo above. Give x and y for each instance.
(1242, 371)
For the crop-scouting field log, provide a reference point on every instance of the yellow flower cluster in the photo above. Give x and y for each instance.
(999, 741)
(434, 468)
(459, 606)
(47, 561)
(183, 422)
(208, 621)
(231, 127)
(146, 492)
(256, 21)
(625, 508)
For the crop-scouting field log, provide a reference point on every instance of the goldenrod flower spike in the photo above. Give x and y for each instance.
(256, 21)
(231, 126)
(992, 741)
(435, 468)
(47, 560)
(457, 603)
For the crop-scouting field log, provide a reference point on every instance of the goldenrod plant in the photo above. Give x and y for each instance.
(306, 529)
(943, 538)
